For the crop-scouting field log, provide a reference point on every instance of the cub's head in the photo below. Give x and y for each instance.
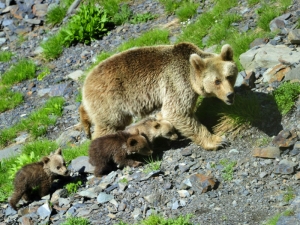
(164, 128)
(55, 164)
(215, 76)
(138, 144)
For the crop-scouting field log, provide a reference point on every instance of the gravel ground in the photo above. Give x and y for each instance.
(256, 192)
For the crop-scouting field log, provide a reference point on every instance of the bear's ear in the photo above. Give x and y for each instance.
(58, 151)
(197, 62)
(132, 142)
(156, 125)
(227, 53)
(45, 159)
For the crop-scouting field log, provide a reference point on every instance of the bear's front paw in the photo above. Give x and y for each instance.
(216, 143)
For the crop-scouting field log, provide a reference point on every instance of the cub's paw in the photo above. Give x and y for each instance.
(137, 163)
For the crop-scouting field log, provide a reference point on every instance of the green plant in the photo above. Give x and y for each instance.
(289, 194)
(121, 16)
(21, 161)
(151, 165)
(228, 168)
(263, 141)
(123, 180)
(186, 10)
(159, 220)
(52, 47)
(22, 70)
(73, 152)
(37, 123)
(275, 218)
(73, 186)
(56, 15)
(76, 221)
(44, 72)
(141, 18)
(5, 56)
(9, 99)
(286, 95)
(170, 5)
(89, 23)
(266, 14)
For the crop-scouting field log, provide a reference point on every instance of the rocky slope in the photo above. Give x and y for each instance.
(190, 180)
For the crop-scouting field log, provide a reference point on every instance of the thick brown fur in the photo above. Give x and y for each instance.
(153, 128)
(107, 151)
(167, 77)
(39, 174)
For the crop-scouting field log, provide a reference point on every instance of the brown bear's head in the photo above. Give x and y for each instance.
(215, 76)
(138, 144)
(55, 164)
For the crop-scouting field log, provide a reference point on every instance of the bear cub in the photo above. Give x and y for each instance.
(153, 128)
(38, 174)
(107, 151)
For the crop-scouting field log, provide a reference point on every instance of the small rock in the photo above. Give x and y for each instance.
(267, 152)
(103, 197)
(183, 193)
(294, 36)
(202, 183)
(285, 138)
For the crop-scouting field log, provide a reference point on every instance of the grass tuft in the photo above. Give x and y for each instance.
(286, 95)
(5, 56)
(56, 15)
(24, 69)
(9, 99)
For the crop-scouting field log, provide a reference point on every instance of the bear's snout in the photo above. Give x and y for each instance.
(230, 98)
(67, 173)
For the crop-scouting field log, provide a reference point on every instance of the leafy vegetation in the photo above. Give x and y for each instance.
(22, 70)
(56, 15)
(5, 56)
(186, 10)
(141, 18)
(37, 123)
(286, 95)
(9, 99)
(76, 221)
(73, 186)
(151, 165)
(159, 220)
(227, 172)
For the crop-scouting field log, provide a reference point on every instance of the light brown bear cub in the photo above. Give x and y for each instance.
(114, 149)
(153, 128)
(168, 77)
(39, 174)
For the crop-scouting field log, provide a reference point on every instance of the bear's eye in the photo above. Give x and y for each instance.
(58, 167)
(217, 82)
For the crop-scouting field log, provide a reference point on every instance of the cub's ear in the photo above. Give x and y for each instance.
(156, 125)
(45, 159)
(226, 53)
(197, 62)
(132, 142)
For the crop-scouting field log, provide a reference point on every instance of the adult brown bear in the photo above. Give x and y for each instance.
(167, 77)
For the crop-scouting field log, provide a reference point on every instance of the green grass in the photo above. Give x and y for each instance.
(142, 18)
(73, 152)
(171, 5)
(186, 10)
(73, 186)
(151, 165)
(37, 123)
(76, 221)
(286, 95)
(5, 56)
(22, 70)
(52, 47)
(159, 220)
(253, 2)
(9, 99)
(275, 218)
(56, 15)
(227, 172)
(44, 71)
(289, 194)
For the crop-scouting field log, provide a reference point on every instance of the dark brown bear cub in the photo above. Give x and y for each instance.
(107, 151)
(39, 174)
